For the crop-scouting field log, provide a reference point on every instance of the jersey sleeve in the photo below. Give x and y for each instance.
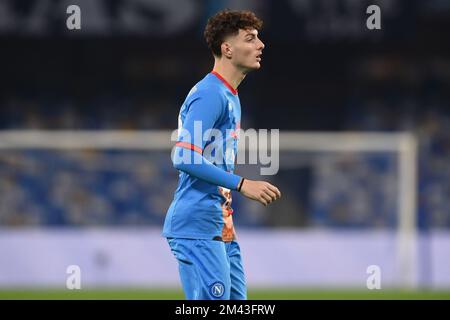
(204, 110)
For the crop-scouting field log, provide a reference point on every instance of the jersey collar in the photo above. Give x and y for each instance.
(225, 82)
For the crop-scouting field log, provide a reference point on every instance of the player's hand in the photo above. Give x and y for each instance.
(261, 191)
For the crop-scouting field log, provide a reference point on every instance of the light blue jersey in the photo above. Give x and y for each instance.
(201, 208)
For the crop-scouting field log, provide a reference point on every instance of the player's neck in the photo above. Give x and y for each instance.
(230, 73)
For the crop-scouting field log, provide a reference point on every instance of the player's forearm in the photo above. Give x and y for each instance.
(199, 167)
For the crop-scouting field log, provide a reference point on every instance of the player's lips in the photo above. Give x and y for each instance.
(258, 57)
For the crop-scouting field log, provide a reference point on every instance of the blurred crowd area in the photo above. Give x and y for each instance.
(43, 187)
(120, 187)
(322, 70)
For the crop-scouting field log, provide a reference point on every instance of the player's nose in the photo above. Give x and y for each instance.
(261, 45)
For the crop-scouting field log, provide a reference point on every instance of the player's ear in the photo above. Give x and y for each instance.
(226, 50)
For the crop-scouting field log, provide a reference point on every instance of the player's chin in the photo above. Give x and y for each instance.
(255, 66)
(251, 67)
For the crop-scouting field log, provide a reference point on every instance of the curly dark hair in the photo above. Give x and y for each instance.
(225, 23)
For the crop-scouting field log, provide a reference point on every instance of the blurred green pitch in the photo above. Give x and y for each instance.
(253, 294)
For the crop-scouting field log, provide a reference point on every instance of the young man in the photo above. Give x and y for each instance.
(199, 224)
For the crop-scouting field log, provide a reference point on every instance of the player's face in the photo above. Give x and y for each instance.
(246, 50)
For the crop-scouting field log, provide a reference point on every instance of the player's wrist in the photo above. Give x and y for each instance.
(241, 182)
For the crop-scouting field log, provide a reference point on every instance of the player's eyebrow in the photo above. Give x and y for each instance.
(250, 35)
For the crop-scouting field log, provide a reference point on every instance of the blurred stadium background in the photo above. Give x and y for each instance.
(85, 171)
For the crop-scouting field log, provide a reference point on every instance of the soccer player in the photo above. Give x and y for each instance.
(199, 224)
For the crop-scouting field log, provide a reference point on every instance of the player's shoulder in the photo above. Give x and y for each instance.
(207, 88)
